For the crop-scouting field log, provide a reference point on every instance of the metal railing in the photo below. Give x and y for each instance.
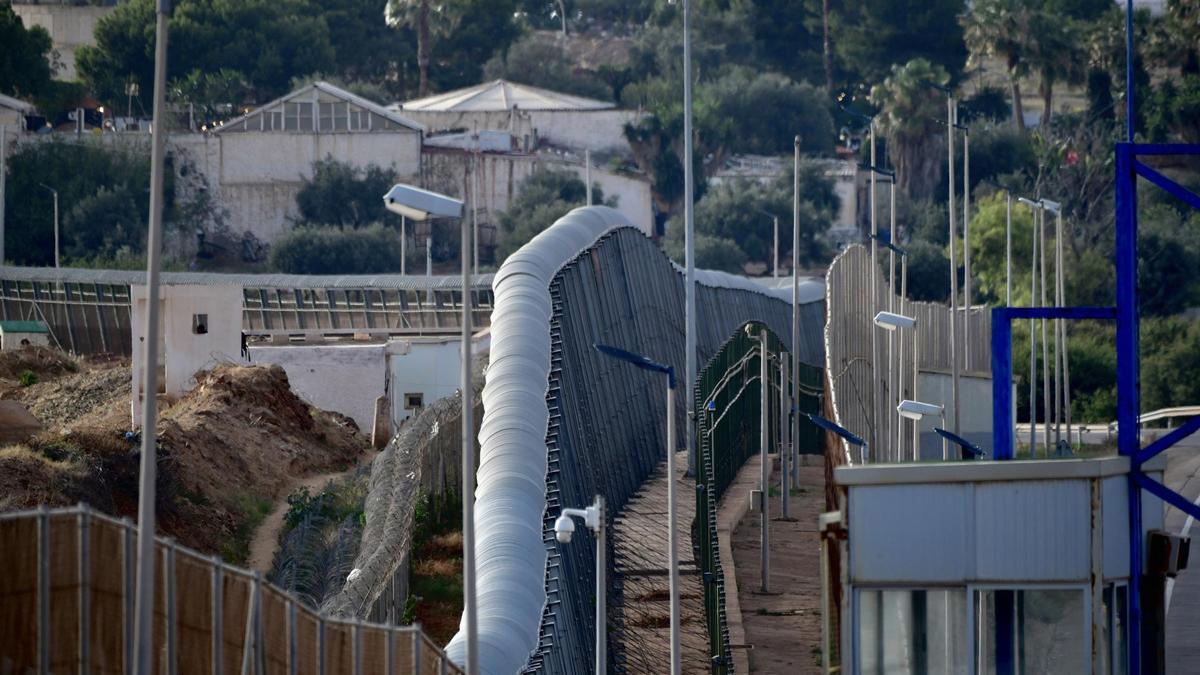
(727, 434)
(67, 604)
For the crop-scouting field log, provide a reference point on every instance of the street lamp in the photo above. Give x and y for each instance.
(899, 387)
(951, 123)
(1035, 209)
(413, 202)
(875, 400)
(564, 527)
(55, 193)
(775, 247)
(967, 449)
(917, 410)
(645, 363)
(845, 434)
(1039, 261)
(1062, 366)
(892, 322)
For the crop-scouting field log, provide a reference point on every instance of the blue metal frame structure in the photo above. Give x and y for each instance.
(1126, 314)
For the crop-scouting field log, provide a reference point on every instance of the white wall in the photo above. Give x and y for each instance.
(427, 366)
(595, 130)
(181, 352)
(975, 420)
(70, 27)
(342, 377)
(12, 341)
(255, 176)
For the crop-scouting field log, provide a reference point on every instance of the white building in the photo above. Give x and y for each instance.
(71, 25)
(256, 164)
(12, 114)
(534, 116)
(19, 334)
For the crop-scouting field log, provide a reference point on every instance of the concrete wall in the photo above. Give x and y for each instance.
(13, 122)
(15, 341)
(183, 352)
(503, 174)
(430, 366)
(255, 176)
(70, 27)
(342, 377)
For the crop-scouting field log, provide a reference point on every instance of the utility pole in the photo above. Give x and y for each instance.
(3, 179)
(795, 416)
(764, 382)
(144, 611)
(950, 121)
(689, 218)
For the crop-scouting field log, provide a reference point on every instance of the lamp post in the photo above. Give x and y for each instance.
(795, 391)
(951, 123)
(564, 527)
(775, 246)
(1062, 367)
(1035, 209)
(3, 177)
(846, 435)
(885, 422)
(917, 410)
(55, 193)
(413, 202)
(143, 656)
(689, 219)
(875, 388)
(890, 322)
(646, 363)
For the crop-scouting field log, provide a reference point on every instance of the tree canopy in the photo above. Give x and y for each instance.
(25, 67)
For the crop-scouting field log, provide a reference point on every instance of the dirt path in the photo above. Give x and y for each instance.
(266, 537)
(785, 626)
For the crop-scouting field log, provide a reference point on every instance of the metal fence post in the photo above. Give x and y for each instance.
(43, 590)
(320, 644)
(389, 652)
(355, 649)
(172, 608)
(291, 636)
(218, 616)
(127, 593)
(416, 648)
(85, 592)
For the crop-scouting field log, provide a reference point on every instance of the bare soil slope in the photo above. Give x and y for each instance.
(226, 450)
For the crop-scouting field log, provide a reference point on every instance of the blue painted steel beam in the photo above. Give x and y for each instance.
(1166, 494)
(1002, 407)
(1150, 451)
(1128, 377)
(1168, 185)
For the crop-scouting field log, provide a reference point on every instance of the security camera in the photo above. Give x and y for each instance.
(564, 527)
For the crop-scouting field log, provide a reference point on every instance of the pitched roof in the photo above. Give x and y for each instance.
(16, 104)
(336, 92)
(501, 95)
(23, 327)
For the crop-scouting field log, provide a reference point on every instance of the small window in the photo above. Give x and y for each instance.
(413, 401)
(200, 324)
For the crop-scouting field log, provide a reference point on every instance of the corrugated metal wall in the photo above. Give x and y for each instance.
(607, 429)
(849, 323)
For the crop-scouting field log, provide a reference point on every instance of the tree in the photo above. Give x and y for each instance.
(1055, 55)
(103, 196)
(1000, 29)
(767, 110)
(789, 38)
(326, 250)
(988, 249)
(908, 113)
(430, 19)
(874, 35)
(267, 41)
(342, 195)
(538, 62)
(214, 96)
(927, 272)
(547, 195)
(25, 66)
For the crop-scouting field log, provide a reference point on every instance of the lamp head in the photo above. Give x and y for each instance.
(564, 527)
(915, 410)
(892, 321)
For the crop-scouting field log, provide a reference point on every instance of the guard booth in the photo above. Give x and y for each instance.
(988, 567)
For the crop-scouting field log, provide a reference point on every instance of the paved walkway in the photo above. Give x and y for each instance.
(784, 626)
(639, 540)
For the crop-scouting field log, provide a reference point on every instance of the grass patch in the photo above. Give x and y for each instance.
(436, 586)
(254, 510)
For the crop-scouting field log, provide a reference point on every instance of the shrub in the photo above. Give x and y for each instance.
(313, 249)
(28, 378)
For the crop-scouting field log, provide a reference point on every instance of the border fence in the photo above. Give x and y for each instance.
(67, 604)
(727, 434)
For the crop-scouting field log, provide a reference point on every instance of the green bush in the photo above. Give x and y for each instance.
(314, 249)
(547, 195)
(28, 378)
(344, 195)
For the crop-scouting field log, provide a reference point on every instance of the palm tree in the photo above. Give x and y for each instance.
(427, 17)
(908, 114)
(1056, 55)
(1000, 29)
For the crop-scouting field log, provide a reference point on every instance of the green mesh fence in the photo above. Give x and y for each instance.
(727, 426)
